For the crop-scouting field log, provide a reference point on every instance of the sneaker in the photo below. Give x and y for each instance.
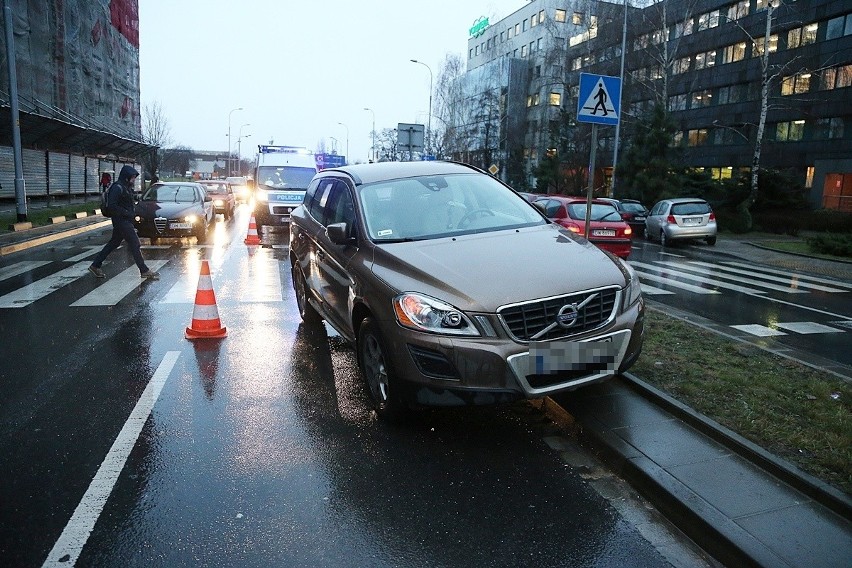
(97, 271)
(151, 275)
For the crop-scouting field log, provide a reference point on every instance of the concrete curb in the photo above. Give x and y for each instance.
(814, 488)
(50, 237)
(800, 254)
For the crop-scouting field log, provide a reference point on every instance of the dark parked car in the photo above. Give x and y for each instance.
(633, 213)
(607, 229)
(175, 209)
(456, 290)
(681, 218)
(224, 200)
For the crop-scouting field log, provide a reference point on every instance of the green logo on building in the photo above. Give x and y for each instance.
(479, 26)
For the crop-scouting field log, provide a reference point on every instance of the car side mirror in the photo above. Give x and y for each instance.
(338, 233)
(539, 206)
(207, 198)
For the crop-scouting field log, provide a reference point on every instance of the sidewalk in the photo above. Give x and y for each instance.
(14, 241)
(738, 502)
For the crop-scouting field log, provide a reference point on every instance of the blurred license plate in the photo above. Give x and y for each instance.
(603, 233)
(180, 226)
(638, 218)
(692, 221)
(551, 357)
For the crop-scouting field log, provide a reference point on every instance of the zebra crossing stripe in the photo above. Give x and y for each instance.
(23, 297)
(20, 268)
(673, 283)
(649, 290)
(691, 267)
(792, 279)
(798, 275)
(703, 280)
(84, 255)
(113, 290)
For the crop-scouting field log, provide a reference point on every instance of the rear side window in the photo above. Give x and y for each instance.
(695, 208)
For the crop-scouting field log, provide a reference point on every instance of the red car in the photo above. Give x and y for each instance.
(608, 230)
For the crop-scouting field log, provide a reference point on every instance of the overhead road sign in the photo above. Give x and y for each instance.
(599, 99)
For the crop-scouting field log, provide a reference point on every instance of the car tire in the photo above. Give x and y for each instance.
(711, 240)
(201, 235)
(306, 311)
(378, 375)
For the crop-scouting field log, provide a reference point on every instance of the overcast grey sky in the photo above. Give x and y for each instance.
(298, 68)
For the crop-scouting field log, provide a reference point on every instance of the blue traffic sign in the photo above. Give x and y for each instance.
(599, 99)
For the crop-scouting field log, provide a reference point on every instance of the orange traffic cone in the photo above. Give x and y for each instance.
(205, 315)
(252, 238)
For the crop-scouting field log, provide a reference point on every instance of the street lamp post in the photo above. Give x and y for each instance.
(374, 131)
(239, 153)
(347, 140)
(230, 146)
(239, 135)
(429, 119)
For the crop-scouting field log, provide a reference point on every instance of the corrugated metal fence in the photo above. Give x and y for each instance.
(52, 174)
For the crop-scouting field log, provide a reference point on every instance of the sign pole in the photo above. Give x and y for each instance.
(591, 191)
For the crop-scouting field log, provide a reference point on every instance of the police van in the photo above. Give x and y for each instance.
(281, 175)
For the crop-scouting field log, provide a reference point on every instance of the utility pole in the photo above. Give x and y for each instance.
(20, 187)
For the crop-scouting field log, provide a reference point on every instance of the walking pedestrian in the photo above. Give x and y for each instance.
(121, 210)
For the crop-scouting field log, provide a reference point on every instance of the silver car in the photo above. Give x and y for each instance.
(455, 290)
(681, 218)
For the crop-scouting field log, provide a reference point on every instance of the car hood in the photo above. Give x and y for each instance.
(481, 272)
(168, 209)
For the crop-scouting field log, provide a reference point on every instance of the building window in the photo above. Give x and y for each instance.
(708, 20)
(757, 46)
(796, 84)
(828, 128)
(834, 28)
(809, 177)
(683, 28)
(805, 35)
(702, 98)
(697, 137)
(524, 25)
(677, 102)
(681, 65)
(738, 10)
(477, 50)
(559, 15)
(534, 21)
(541, 17)
(677, 139)
(707, 59)
(538, 44)
(577, 64)
(577, 18)
(523, 50)
(537, 71)
(790, 131)
(555, 99)
(509, 32)
(844, 76)
(734, 52)
(518, 28)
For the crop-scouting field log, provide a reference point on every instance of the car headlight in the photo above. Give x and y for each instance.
(261, 195)
(424, 313)
(191, 219)
(633, 290)
(218, 203)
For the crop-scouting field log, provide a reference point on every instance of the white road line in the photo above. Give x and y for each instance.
(787, 273)
(20, 267)
(84, 255)
(759, 330)
(710, 281)
(23, 297)
(691, 267)
(674, 283)
(67, 549)
(807, 327)
(652, 291)
(792, 279)
(113, 290)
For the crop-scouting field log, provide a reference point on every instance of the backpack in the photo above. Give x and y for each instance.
(104, 201)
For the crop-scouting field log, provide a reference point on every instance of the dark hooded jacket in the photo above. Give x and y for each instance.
(120, 196)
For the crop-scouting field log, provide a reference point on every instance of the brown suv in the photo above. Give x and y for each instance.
(455, 289)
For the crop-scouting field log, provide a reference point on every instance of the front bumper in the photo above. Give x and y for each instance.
(453, 371)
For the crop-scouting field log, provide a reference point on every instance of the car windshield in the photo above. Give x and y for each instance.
(284, 177)
(694, 208)
(600, 212)
(429, 207)
(633, 207)
(216, 188)
(175, 193)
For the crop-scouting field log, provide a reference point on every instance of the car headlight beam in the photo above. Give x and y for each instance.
(424, 313)
(191, 219)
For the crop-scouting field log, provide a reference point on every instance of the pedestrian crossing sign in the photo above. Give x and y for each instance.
(599, 99)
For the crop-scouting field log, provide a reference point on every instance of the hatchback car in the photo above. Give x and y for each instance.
(455, 290)
(633, 213)
(607, 229)
(175, 209)
(224, 200)
(681, 218)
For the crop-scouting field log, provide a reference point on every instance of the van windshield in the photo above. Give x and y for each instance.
(284, 177)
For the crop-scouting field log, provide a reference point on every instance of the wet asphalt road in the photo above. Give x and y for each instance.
(259, 449)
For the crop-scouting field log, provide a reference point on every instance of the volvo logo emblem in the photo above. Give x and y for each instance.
(567, 315)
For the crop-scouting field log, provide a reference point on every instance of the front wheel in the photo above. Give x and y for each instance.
(375, 367)
(306, 311)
